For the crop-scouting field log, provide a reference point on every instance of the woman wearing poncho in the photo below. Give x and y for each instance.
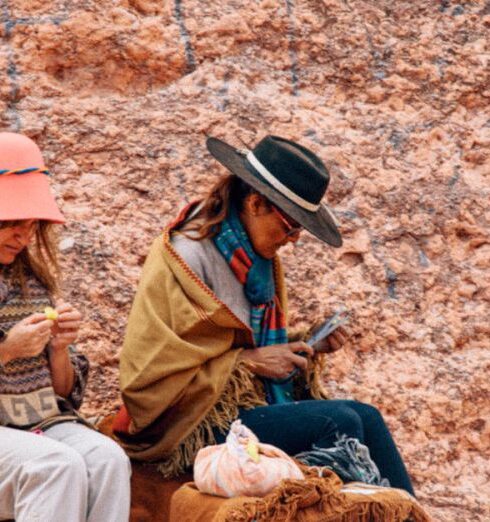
(207, 340)
(53, 467)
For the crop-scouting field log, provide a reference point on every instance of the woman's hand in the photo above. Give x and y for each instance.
(278, 360)
(66, 327)
(65, 332)
(27, 338)
(333, 342)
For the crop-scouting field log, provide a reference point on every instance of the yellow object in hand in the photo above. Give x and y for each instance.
(253, 450)
(50, 313)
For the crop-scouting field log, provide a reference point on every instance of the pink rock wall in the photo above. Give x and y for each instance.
(394, 96)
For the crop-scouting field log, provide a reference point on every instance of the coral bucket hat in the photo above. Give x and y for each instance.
(24, 181)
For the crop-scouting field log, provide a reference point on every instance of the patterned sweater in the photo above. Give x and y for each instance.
(27, 397)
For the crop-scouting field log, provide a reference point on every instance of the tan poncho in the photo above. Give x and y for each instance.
(179, 372)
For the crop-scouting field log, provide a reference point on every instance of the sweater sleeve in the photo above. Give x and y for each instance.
(81, 367)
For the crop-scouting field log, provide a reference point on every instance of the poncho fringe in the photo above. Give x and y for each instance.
(314, 377)
(239, 392)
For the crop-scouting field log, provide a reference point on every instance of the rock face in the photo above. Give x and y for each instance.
(394, 96)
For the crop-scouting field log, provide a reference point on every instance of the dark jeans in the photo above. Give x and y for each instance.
(296, 426)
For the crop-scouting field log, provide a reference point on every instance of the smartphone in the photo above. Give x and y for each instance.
(332, 323)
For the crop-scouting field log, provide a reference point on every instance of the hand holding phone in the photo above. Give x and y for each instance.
(319, 339)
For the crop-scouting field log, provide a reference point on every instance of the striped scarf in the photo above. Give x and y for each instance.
(255, 273)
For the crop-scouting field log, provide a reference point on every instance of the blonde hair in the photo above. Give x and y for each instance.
(39, 258)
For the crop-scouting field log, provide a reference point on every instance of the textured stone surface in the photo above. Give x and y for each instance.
(394, 96)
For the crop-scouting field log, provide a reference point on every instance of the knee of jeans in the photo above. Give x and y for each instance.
(370, 413)
(349, 422)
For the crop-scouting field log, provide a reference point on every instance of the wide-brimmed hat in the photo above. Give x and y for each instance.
(24, 181)
(287, 174)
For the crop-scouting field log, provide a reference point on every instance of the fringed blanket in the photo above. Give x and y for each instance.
(316, 499)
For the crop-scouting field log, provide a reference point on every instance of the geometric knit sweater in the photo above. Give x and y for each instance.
(27, 397)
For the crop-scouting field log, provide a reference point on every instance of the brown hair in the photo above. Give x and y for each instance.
(39, 258)
(213, 209)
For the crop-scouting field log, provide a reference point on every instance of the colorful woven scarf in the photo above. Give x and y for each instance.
(255, 273)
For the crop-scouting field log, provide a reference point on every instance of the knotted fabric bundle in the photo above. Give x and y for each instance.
(349, 459)
(242, 466)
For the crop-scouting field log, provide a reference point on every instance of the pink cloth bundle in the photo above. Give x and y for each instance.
(242, 466)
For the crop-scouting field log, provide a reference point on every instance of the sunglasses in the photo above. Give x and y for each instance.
(291, 229)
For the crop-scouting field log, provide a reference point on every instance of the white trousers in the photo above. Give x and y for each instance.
(69, 474)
